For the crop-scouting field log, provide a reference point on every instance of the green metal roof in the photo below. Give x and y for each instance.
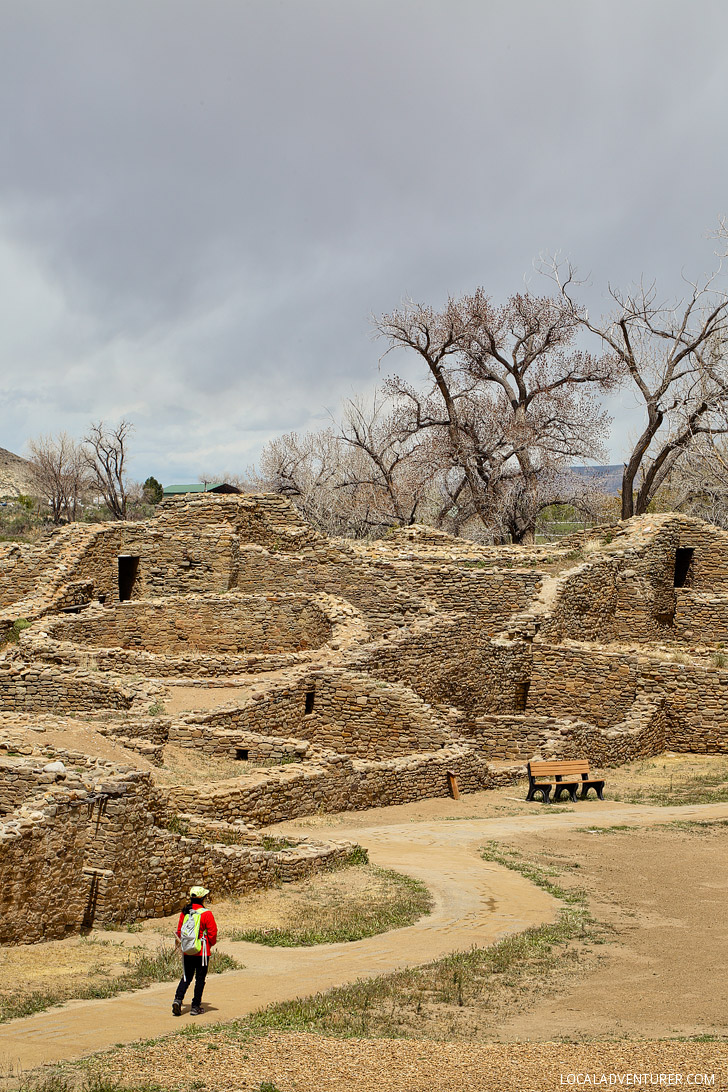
(198, 487)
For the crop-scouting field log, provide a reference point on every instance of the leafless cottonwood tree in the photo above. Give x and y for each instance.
(510, 399)
(357, 478)
(60, 472)
(673, 356)
(305, 468)
(104, 451)
(386, 463)
(699, 483)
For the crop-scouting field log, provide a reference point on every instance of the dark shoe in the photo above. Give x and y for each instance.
(176, 1007)
(196, 1010)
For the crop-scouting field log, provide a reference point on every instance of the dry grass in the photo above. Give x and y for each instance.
(360, 902)
(304, 1063)
(184, 766)
(331, 907)
(671, 779)
(37, 977)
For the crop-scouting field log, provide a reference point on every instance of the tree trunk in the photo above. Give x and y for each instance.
(526, 536)
(655, 418)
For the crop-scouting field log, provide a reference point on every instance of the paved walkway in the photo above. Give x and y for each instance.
(476, 903)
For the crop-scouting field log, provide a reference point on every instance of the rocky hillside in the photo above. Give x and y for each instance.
(16, 474)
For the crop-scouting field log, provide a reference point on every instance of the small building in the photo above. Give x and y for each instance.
(200, 487)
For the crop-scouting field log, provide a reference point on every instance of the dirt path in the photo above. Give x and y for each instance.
(475, 904)
(664, 893)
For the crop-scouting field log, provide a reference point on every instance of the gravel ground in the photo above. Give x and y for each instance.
(307, 1063)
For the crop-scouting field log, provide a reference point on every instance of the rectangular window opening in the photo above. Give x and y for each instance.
(683, 561)
(309, 701)
(241, 754)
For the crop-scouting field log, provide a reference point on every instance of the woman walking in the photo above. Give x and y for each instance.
(196, 933)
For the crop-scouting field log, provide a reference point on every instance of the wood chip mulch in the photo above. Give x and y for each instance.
(310, 1063)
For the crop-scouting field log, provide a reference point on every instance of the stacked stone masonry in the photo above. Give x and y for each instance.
(357, 674)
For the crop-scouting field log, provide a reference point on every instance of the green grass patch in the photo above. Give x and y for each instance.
(273, 845)
(697, 826)
(11, 636)
(177, 825)
(399, 901)
(540, 875)
(144, 968)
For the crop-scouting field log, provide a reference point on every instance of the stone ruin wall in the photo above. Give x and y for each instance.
(519, 738)
(20, 564)
(350, 714)
(701, 617)
(388, 593)
(41, 873)
(341, 784)
(603, 684)
(217, 624)
(43, 688)
(70, 857)
(629, 593)
(265, 519)
(456, 663)
(450, 665)
(194, 548)
(709, 567)
(190, 547)
(216, 742)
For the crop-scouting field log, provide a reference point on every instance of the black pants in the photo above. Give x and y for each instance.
(193, 968)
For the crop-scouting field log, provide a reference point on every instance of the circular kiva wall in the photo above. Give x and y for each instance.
(223, 625)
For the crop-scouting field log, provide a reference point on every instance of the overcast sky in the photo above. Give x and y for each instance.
(203, 201)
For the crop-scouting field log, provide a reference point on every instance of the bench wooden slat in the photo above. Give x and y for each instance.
(566, 775)
(576, 765)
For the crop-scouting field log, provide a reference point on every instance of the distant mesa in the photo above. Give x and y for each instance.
(16, 475)
(608, 479)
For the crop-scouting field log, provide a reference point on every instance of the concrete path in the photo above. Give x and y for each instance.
(476, 903)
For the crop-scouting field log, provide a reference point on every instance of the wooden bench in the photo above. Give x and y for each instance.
(565, 776)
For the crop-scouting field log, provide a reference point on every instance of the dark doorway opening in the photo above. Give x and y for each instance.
(241, 754)
(309, 701)
(89, 912)
(128, 567)
(683, 561)
(521, 695)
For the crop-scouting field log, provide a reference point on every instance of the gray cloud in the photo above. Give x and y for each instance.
(201, 203)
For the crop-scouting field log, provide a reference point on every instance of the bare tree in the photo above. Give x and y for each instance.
(386, 462)
(672, 353)
(305, 468)
(60, 473)
(699, 484)
(104, 454)
(358, 478)
(510, 398)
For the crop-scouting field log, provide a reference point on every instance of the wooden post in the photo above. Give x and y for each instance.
(452, 783)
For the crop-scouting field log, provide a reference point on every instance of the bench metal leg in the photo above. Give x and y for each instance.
(565, 787)
(545, 791)
(598, 787)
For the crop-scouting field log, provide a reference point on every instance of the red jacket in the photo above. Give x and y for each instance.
(208, 927)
